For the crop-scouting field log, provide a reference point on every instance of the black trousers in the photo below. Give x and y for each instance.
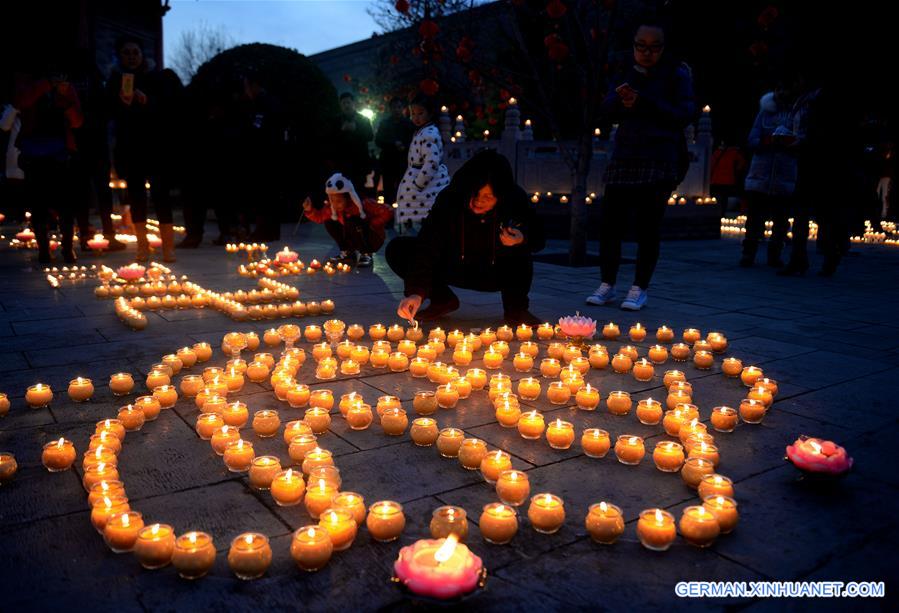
(49, 186)
(511, 275)
(762, 207)
(136, 174)
(352, 235)
(647, 203)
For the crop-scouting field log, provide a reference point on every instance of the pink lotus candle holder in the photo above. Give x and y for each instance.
(819, 458)
(577, 328)
(439, 569)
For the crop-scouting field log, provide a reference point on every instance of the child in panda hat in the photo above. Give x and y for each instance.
(356, 225)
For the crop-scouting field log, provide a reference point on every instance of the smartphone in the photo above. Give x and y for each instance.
(127, 84)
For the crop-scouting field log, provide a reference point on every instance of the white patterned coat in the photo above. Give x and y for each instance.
(425, 175)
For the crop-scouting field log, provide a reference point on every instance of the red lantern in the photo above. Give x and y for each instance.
(556, 9)
(429, 87)
(428, 29)
(402, 6)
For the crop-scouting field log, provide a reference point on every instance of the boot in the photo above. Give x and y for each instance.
(143, 247)
(167, 234)
(68, 248)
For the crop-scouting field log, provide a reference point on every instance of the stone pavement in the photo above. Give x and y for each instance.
(832, 344)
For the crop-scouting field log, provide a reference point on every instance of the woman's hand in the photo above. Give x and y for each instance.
(307, 204)
(510, 237)
(409, 307)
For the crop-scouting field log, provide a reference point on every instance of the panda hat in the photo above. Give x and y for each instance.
(339, 184)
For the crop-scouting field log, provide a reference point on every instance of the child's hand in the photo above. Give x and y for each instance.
(409, 306)
(307, 204)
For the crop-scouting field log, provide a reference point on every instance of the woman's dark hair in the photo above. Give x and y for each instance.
(486, 167)
(123, 40)
(427, 103)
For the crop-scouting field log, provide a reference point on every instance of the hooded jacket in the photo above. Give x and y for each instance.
(458, 244)
(774, 169)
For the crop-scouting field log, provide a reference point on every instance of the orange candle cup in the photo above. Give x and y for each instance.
(724, 419)
(418, 367)
(752, 411)
(448, 520)
(550, 368)
(768, 384)
(587, 398)
(105, 508)
(656, 529)
(546, 513)
(360, 416)
(643, 370)
(668, 456)
(398, 361)
(611, 331)
(447, 396)
(750, 374)
(235, 414)
(8, 467)
(394, 421)
(340, 525)
(121, 384)
(508, 414)
(477, 377)
(449, 442)
(207, 423)
(166, 394)
(531, 425)
(132, 418)
(263, 470)
(385, 521)
(157, 378)
(318, 498)
(266, 423)
(715, 485)
(250, 556)
(287, 488)
(761, 393)
(105, 489)
(523, 362)
(316, 458)
(105, 439)
(425, 402)
(298, 395)
(505, 333)
(191, 385)
(705, 451)
(58, 455)
(595, 442)
(694, 470)
(121, 531)
(149, 405)
(493, 464)
(238, 456)
(222, 437)
(604, 523)
(498, 523)
(318, 418)
(560, 434)
(724, 508)
(155, 545)
(619, 403)
(629, 449)
(698, 526)
(732, 367)
(113, 426)
(680, 352)
(678, 397)
(689, 428)
(513, 487)
(658, 354)
(649, 411)
(471, 452)
(637, 333)
(194, 555)
(558, 393)
(38, 396)
(80, 389)
(703, 360)
(622, 363)
(424, 431)
(352, 502)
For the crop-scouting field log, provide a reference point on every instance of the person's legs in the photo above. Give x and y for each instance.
(37, 201)
(798, 263)
(612, 218)
(779, 211)
(340, 234)
(514, 276)
(160, 191)
(137, 197)
(650, 202)
(755, 226)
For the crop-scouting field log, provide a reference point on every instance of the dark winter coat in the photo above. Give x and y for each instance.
(653, 129)
(461, 245)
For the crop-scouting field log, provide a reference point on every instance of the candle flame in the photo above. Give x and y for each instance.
(632, 440)
(289, 474)
(311, 532)
(154, 529)
(446, 550)
(126, 520)
(107, 502)
(815, 446)
(192, 537)
(60, 443)
(603, 507)
(248, 539)
(660, 519)
(719, 500)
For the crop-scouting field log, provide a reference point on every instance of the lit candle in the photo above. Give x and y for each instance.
(619, 403)
(629, 449)
(238, 456)
(523, 362)
(157, 378)
(604, 523)
(703, 360)
(105, 508)
(649, 411)
(193, 555)
(611, 331)
(385, 521)
(266, 423)
(447, 520)
(318, 498)
(752, 411)
(263, 470)
(352, 502)
(717, 341)
(545, 331)
(394, 421)
(550, 368)
(715, 485)
(359, 416)
(558, 392)
(8, 467)
(121, 531)
(531, 425)
(694, 470)
(222, 437)
(498, 523)
(132, 418)
(38, 396)
(658, 354)
(598, 357)
(546, 513)
(418, 367)
(668, 456)
(191, 385)
(680, 352)
(724, 508)
(724, 419)
(287, 488)
(166, 394)
(104, 489)
(315, 458)
(311, 548)
(477, 377)
(149, 405)
(449, 441)
(508, 414)
(656, 529)
(493, 359)
(677, 396)
(732, 367)
(560, 434)
(471, 452)
(493, 464)
(505, 333)
(643, 370)
(398, 361)
(529, 388)
(154, 546)
(121, 384)
(424, 431)
(698, 526)
(750, 375)
(58, 455)
(297, 395)
(207, 423)
(761, 393)
(705, 451)
(622, 363)
(318, 418)
(80, 389)
(447, 396)
(250, 555)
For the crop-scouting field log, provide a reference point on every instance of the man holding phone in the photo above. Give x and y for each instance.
(480, 235)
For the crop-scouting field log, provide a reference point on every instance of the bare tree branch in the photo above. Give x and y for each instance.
(198, 46)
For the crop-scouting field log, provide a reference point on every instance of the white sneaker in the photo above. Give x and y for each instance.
(635, 300)
(604, 294)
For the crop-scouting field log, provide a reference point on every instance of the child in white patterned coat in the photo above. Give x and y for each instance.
(426, 173)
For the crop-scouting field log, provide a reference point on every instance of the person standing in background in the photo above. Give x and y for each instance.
(426, 174)
(144, 106)
(393, 138)
(653, 103)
